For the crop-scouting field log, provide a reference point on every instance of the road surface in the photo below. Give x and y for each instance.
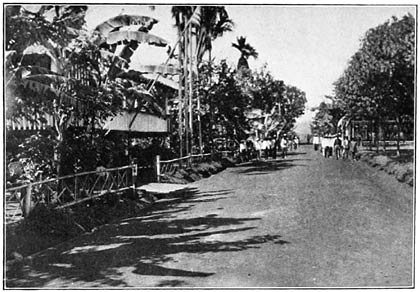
(303, 221)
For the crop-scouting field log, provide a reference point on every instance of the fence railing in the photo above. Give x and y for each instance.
(15, 199)
(68, 190)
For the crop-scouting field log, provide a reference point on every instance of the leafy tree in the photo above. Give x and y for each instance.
(280, 104)
(292, 106)
(206, 23)
(85, 86)
(32, 89)
(224, 96)
(326, 118)
(378, 83)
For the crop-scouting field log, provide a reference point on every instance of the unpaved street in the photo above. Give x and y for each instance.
(303, 221)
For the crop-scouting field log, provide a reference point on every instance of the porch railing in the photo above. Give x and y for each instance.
(68, 190)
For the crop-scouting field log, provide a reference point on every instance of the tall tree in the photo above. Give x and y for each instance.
(228, 103)
(292, 106)
(378, 83)
(214, 22)
(246, 51)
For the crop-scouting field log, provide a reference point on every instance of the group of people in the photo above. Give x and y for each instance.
(267, 147)
(340, 148)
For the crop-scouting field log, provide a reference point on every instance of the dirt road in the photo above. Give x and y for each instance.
(303, 221)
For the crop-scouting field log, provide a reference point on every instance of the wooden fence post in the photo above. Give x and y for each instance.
(75, 188)
(134, 178)
(27, 202)
(157, 165)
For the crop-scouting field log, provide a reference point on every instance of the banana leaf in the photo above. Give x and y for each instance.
(106, 54)
(38, 50)
(35, 70)
(9, 54)
(162, 80)
(118, 37)
(139, 77)
(48, 79)
(146, 23)
(148, 99)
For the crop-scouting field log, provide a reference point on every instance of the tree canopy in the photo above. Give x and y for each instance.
(378, 82)
(379, 79)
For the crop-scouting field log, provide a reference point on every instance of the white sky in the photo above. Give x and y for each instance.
(306, 46)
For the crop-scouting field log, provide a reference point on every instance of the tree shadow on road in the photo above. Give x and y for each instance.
(169, 205)
(292, 153)
(260, 167)
(141, 246)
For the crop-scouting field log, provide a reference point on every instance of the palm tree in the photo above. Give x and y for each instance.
(183, 16)
(246, 51)
(214, 22)
(208, 22)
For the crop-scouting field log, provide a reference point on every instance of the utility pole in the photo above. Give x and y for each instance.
(185, 71)
(200, 137)
(190, 89)
(180, 101)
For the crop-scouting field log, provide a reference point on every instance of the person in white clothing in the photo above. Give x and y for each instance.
(265, 147)
(346, 147)
(283, 145)
(242, 151)
(296, 140)
(316, 140)
(257, 146)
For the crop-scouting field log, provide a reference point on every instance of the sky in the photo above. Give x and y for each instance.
(307, 46)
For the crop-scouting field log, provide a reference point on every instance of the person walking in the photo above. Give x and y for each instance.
(353, 149)
(265, 147)
(337, 147)
(346, 147)
(249, 150)
(242, 151)
(316, 141)
(296, 142)
(290, 144)
(283, 145)
(274, 147)
(258, 148)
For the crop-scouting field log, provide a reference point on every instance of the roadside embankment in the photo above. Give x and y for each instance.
(399, 166)
(197, 172)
